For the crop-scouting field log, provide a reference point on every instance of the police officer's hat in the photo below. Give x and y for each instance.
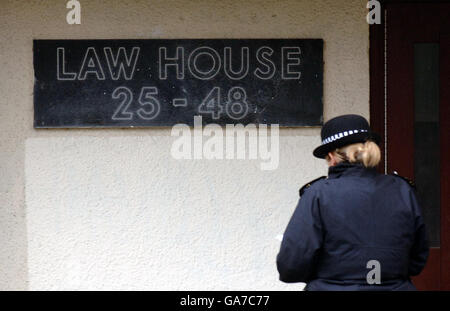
(344, 130)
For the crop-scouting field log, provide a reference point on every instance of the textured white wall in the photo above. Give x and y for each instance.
(151, 222)
(109, 208)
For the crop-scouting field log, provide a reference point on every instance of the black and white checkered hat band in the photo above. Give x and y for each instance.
(341, 135)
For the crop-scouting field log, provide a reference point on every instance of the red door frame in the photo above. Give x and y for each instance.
(436, 275)
(445, 165)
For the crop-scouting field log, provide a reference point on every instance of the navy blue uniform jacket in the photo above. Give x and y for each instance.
(344, 221)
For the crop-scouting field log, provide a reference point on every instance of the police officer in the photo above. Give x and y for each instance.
(355, 229)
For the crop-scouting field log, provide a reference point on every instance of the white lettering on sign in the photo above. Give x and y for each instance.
(236, 106)
(61, 73)
(91, 65)
(122, 112)
(147, 99)
(288, 59)
(177, 62)
(211, 104)
(262, 57)
(211, 62)
(243, 70)
(203, 63)
(121, 64)
(213, 55)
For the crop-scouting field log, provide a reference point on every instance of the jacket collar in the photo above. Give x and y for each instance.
(350, 169)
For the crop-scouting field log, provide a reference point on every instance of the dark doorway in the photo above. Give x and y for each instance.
(410, 105)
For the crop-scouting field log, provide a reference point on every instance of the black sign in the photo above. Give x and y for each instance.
(125, 83)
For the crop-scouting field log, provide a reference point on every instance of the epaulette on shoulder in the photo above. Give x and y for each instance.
(307, 185)
(409, 181)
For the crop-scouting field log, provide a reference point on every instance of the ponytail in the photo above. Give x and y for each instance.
(367, 153)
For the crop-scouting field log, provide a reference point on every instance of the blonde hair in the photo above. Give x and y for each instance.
(367, 153)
